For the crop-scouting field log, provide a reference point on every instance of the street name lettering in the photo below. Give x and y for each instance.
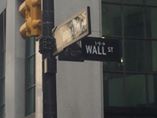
(98, 50)
(95, 48)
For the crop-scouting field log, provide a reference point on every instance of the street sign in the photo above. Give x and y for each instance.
(72, 53)
(94, 48)
(72, 30)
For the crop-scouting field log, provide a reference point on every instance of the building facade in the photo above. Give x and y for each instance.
(130, 86)
(88, 89)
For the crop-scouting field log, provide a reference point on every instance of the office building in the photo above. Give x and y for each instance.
(88, 89)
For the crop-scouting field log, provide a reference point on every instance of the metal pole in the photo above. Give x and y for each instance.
(47, 45)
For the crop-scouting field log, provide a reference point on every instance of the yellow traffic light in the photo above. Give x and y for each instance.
(31, 10)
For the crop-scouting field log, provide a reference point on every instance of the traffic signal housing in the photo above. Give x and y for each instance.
(31, 11)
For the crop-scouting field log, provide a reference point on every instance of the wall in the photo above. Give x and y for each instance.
(15, 48)
(79, 84)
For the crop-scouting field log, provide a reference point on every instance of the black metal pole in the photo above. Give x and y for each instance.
(47, 46)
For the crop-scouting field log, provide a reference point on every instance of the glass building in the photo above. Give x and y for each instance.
(130, 86)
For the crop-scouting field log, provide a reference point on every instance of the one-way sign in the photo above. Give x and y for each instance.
(94, 48)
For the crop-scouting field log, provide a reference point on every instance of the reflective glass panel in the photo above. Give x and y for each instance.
(2, 63)
(154, 55)
(30, 43)
(2, 112)
(111, 20)
(30, 101)
(135, 2)
(151, 2)
(1, 91)
(113, 66)
(30, 77)
(134, 55)
(130, 90)
(133, 21)
(30, 65)
(151, 19)
(140, 56)
(113, 1)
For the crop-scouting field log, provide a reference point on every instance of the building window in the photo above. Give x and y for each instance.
(2, 62)
(130, 86)
(30, 77)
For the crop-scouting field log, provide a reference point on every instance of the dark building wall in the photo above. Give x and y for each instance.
(131, 83)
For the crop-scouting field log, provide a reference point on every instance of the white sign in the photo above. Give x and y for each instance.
(72, 30)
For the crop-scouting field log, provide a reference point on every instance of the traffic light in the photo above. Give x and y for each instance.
(31, 10)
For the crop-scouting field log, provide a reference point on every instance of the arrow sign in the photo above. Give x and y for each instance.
(94, 48)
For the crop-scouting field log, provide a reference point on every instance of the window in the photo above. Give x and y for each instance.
(2, 62)
(130, 86)
(30, 77)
